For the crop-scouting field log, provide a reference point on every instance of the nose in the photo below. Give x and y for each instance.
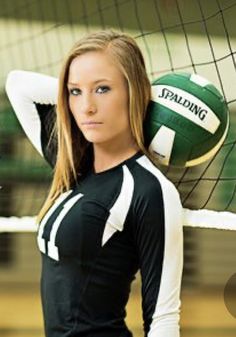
(88, 105)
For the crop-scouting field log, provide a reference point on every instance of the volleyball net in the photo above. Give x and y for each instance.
(174, 35)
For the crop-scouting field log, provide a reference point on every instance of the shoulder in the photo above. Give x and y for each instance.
(151, 188)
(148, 177)
(155, 198)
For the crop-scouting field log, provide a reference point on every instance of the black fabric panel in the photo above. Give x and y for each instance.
(47, 114)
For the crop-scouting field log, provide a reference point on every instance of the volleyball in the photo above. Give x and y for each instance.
(187, 120)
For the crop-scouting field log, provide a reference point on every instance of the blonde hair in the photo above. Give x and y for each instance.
(74, 155)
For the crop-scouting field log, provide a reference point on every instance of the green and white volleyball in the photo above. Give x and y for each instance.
(187, 120)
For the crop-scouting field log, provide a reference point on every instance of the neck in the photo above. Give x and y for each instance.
(108, 157)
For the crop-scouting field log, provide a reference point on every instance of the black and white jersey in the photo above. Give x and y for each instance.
(95, 238)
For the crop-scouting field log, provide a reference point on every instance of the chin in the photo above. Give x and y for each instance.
(94, 139)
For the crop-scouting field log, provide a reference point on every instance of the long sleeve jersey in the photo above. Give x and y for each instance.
(98, 234)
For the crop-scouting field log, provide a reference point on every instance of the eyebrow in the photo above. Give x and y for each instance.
(95, 82)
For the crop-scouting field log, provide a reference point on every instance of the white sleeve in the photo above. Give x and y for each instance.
(24, 89)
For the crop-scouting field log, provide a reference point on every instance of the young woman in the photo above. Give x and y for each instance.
(110, 211)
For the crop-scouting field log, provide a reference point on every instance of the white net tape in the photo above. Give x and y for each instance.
(15, 224)
(191, 218)
(204, 218)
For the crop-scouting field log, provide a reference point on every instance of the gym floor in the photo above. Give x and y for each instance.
(203, 314)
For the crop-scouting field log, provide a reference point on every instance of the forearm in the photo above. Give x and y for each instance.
(24, 89)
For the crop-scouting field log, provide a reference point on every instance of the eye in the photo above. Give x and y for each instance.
(74, 91)
(102, 89)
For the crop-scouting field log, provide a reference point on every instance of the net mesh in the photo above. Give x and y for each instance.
(173, 35)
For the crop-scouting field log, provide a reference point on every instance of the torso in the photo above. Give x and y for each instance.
(90, 256)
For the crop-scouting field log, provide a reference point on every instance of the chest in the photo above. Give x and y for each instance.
(83, 220)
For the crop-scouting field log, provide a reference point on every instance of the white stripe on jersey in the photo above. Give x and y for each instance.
(58, 201)
(168, 304)
(52, 248)
(120, 209)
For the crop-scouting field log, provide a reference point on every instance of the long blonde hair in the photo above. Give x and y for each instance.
(74, 156)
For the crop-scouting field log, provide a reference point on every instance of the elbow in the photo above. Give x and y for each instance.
(13, 78)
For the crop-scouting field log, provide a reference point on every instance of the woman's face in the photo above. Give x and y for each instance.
(99, 99)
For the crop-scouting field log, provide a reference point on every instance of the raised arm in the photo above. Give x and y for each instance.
(33, 97)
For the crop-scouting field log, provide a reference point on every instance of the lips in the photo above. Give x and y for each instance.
(91, 123)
